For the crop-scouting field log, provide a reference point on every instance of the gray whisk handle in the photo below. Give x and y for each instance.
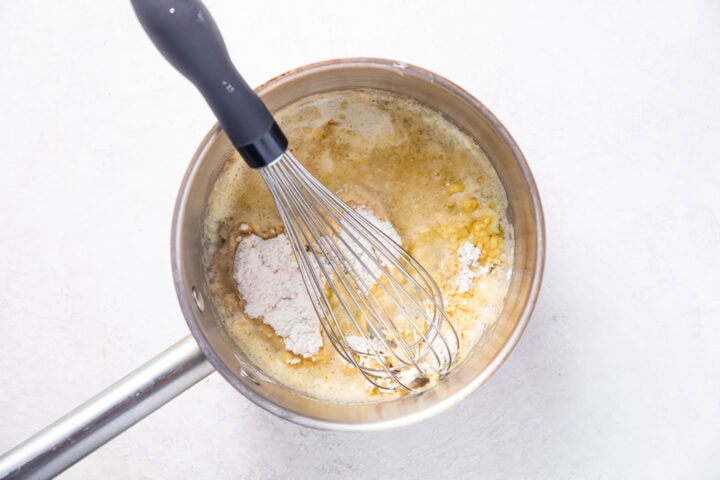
(189, 39)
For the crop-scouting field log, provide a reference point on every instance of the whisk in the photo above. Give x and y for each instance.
(380, 309)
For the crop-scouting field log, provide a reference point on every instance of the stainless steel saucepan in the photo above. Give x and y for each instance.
(210, 347)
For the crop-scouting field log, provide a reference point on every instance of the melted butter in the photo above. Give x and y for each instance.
(410, 166)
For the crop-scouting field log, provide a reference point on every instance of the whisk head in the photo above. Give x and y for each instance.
(378, 306)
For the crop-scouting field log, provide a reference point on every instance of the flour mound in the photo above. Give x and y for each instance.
(270, 282)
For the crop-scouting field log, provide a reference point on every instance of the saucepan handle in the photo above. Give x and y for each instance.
(108, 414)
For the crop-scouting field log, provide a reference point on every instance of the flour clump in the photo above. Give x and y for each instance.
(271, 284)
(273, 289)
(470, 268)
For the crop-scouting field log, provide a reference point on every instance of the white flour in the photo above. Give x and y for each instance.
(269, 280)
(470, 268)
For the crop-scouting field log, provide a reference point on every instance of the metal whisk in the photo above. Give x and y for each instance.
(380, 309)
(378, 306)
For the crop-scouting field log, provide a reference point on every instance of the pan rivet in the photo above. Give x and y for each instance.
(197, 296)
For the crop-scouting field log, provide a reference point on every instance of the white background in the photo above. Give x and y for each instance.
(616, 106)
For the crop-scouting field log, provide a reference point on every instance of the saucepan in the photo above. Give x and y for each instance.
(210, 347)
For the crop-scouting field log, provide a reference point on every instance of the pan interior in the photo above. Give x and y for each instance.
(523, 209)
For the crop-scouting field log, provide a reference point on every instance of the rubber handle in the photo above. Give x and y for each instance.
(187, 36)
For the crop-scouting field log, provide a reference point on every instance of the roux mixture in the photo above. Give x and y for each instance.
(412, 168)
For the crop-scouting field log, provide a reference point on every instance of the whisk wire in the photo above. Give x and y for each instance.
(378, 333)
(369, 276)
(370, 304)
(310, 229)
(288, 200)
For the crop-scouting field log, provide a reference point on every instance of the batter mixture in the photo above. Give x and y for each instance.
(400, 162)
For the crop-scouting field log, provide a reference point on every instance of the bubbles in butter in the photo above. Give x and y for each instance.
(411, 167)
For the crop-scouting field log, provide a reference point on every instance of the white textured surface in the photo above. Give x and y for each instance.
(616, 106)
